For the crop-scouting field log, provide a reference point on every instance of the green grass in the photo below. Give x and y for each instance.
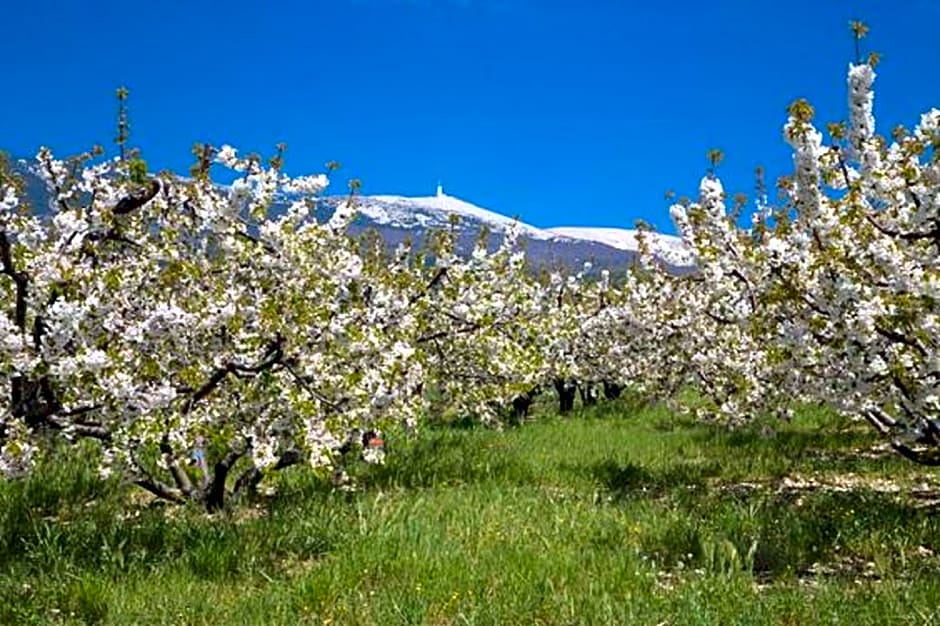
(619, 515)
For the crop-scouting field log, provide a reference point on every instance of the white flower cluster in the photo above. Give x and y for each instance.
(833, 296)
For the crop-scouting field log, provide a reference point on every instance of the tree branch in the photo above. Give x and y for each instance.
(134, 201)
(20, 281)
(250, 478)
(918, 456)
(909, 236)
(304, 383)
(900, 338)
(180, 477)
(273, 355)
(160, 489)
(437, 278)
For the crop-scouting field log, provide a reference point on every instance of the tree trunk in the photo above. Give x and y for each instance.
(520, 407)
(566, 392)
(588, 394)
(612, 391)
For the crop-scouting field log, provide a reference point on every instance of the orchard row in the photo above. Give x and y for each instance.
(203, 338)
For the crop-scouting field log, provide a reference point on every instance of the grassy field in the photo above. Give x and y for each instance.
(620, 515)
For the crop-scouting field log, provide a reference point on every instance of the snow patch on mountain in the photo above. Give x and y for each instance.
(435, 211)
(668, 247)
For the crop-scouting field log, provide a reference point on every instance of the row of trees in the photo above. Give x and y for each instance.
(177, 320)
(204, 338)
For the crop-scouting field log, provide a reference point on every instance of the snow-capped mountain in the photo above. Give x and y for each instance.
(570, 246)
(398, 218)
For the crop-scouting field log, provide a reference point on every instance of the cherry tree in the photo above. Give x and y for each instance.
(196, 329)
(831, 297)
(174, 320)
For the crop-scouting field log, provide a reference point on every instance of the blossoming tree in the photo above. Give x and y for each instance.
(833, 295)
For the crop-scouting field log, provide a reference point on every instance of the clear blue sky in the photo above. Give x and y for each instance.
(562, 112)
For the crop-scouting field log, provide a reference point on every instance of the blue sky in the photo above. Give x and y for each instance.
(561, 112)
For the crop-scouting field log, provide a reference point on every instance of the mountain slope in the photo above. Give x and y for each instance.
(435, 212)
(571, 246)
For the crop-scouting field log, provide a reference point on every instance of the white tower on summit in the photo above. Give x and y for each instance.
(440, 190)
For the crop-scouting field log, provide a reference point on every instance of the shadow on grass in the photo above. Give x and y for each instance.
(686, 519)
(630, 480)
(780, 446)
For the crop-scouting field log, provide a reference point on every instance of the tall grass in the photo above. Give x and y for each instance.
(618, 515)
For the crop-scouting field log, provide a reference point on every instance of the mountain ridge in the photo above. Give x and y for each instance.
(435, 211)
